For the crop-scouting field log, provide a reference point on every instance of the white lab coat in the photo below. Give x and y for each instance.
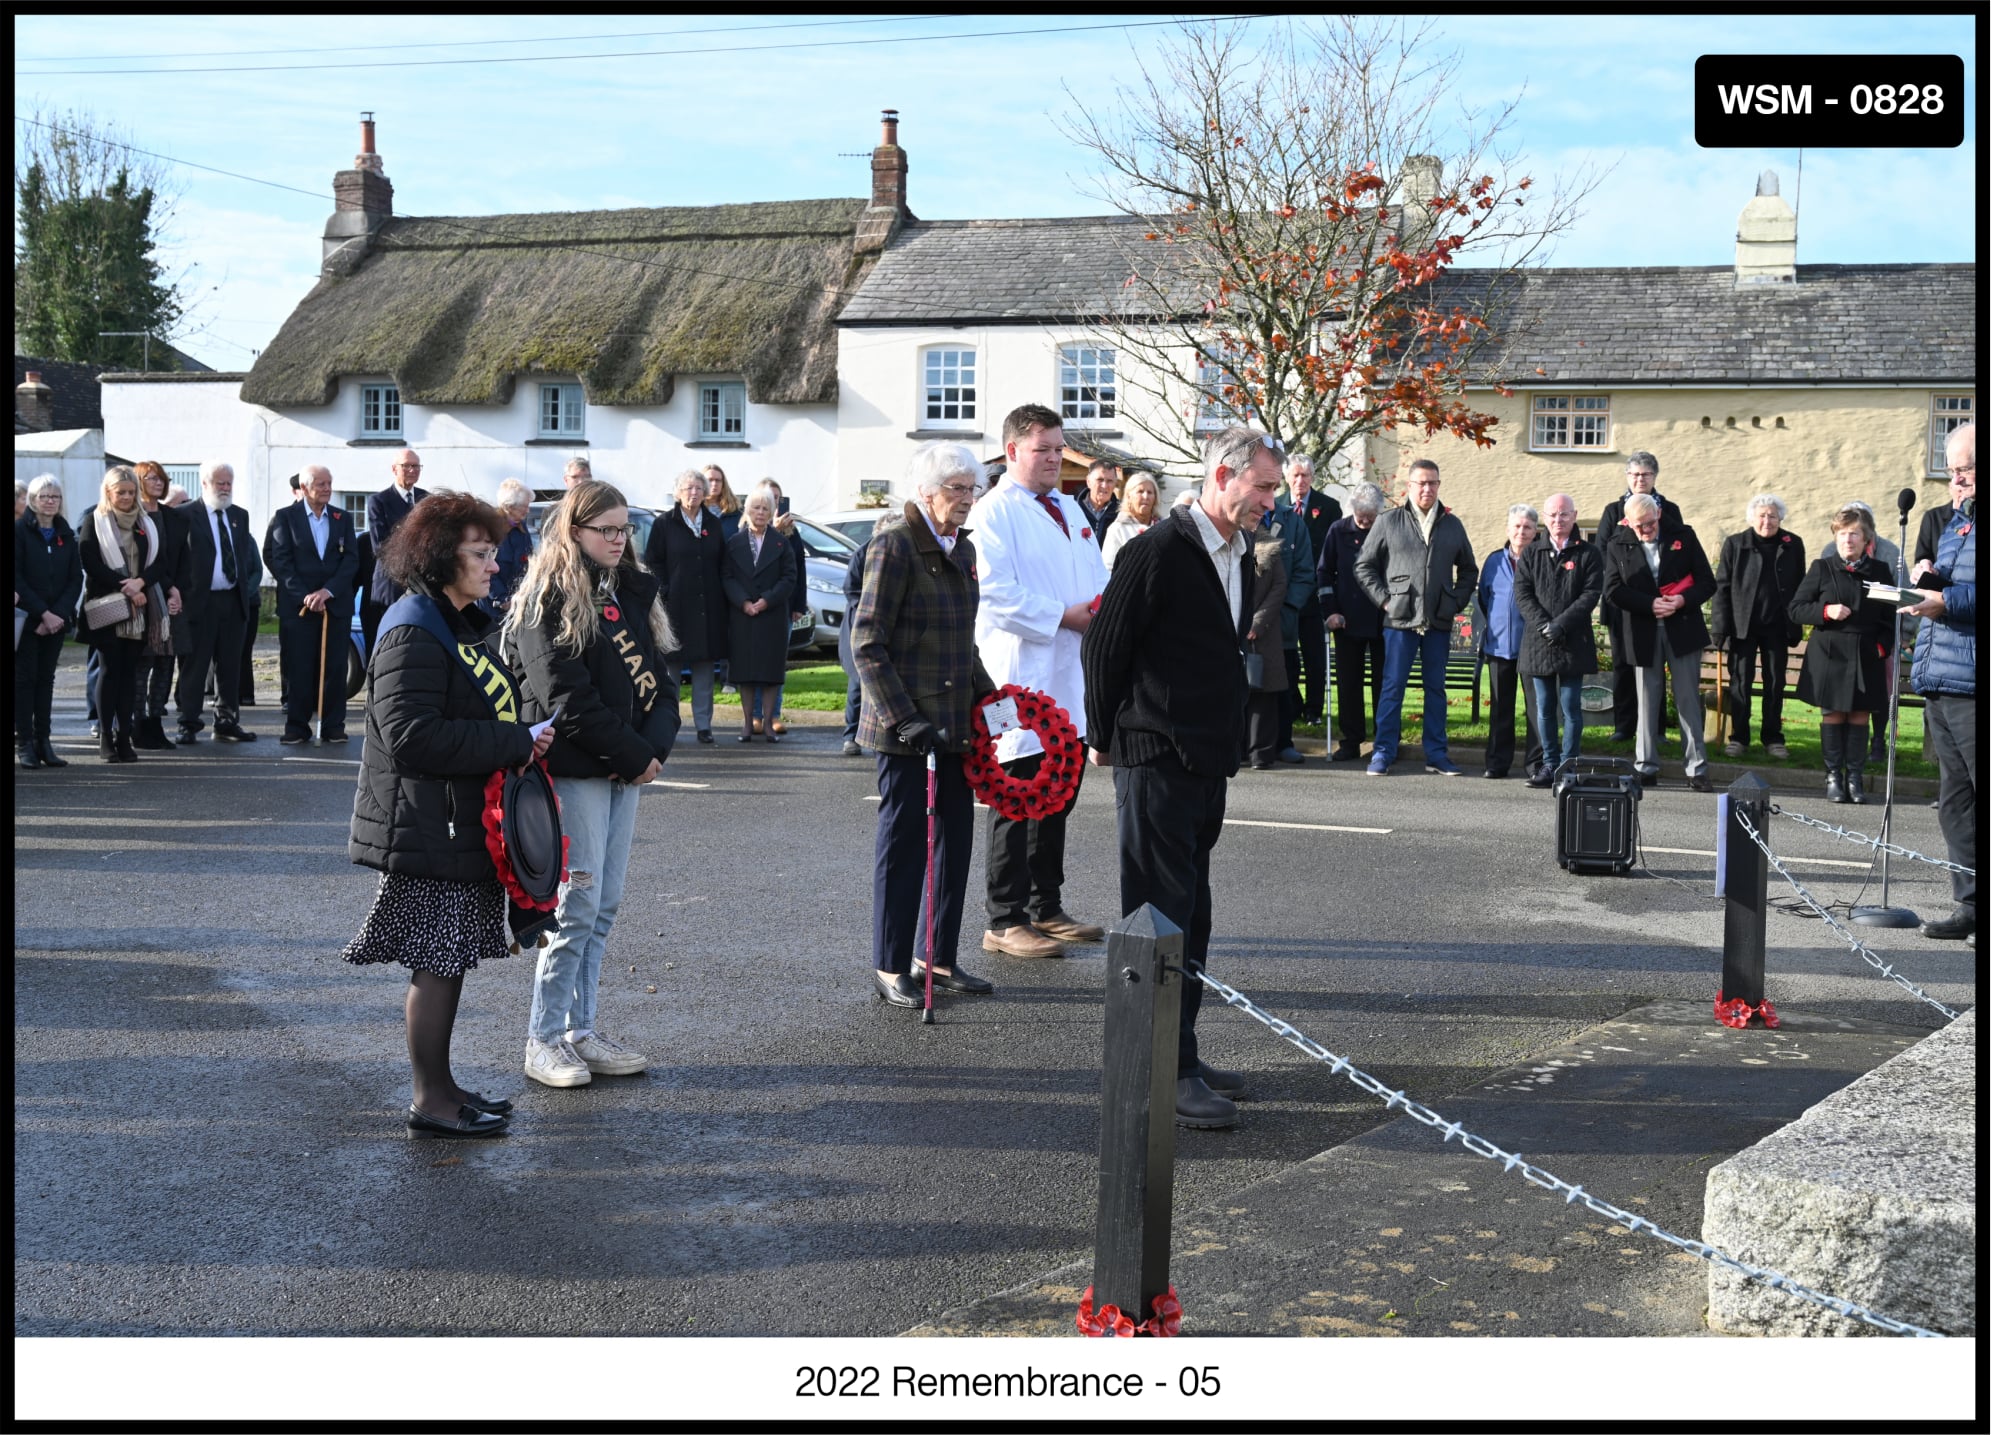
(1028, 574)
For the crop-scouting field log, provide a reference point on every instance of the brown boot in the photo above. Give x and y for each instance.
(1021, 941)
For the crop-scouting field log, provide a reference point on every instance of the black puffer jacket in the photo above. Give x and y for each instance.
(432, 741)
(1559, 590)
(603, 728)
(1630, 588)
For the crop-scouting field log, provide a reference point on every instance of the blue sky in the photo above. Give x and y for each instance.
(1611, 94)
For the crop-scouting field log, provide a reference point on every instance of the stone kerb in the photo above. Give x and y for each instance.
(1868, 1196)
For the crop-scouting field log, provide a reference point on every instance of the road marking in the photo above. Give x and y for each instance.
(878, 797)
(1306, 826)
(335, 761)
(684, 786)
(1793, 861)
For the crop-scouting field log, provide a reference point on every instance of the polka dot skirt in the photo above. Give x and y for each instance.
(432, 926)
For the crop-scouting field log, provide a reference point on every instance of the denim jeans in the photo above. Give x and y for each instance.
(598, 816)
(1401, 650)
(1564, 696)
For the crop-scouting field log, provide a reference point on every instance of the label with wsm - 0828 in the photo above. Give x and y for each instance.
(1829, 101)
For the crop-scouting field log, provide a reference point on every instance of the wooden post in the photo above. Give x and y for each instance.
(1745, 872)
(1135, 1174)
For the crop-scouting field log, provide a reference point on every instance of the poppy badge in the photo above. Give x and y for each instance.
(1086, 531)
(1571, 564)
(1677, 546)
(610, 613)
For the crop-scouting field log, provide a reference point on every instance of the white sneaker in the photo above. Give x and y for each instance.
(556, 1063)
(604, 1056)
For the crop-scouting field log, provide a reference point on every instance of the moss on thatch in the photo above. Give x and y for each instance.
(455, 309)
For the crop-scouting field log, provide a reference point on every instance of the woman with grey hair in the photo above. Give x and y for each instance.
(1502, 627)
(48, 580)
(1886, 548)
(684, 551)
(514, 501)
(1756, 575)
(1352, 618)
(20, 499)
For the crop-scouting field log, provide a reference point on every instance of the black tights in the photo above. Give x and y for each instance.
(430, 1007)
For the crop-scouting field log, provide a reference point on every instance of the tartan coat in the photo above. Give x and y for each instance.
(913, 647)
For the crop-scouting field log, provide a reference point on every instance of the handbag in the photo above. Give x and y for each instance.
(107, 610)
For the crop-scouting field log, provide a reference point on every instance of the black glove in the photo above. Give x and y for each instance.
(918, 734)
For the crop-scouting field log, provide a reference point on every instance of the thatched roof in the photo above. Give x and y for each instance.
(455, 309)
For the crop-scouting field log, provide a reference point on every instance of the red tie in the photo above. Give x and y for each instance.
(1055, 511)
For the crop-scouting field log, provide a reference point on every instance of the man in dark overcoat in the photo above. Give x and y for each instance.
(920, 679)
(1642, 475)
(1656, 579)
(386, 510)
(225, 577)
(310, 550)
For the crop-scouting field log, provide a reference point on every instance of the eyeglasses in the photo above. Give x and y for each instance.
(959, 490)
(410, 467)
(481, 555)
(1963, 471)
(611, 533)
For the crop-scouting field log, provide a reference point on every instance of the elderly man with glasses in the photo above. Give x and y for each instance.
(386, 510)
(1656, 578)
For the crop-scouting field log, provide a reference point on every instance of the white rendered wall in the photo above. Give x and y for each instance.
(78, 464)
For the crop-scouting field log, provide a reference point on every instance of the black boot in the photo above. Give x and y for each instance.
(29, 754)
(107, 744)
(148, 733)
(1857, 761)
(122, 746)
(48, 752)
(1833, 753)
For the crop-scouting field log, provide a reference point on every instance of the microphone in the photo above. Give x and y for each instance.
(1905, 501)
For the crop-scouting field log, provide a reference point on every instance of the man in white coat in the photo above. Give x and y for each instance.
(1040, 570)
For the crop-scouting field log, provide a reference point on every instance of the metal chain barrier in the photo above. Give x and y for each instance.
(1511, 1161)
(1743, 821)
(1863, 839)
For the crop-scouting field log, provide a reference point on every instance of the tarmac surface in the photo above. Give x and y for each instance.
(208, 1127)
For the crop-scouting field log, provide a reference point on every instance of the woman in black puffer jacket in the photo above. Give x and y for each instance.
(591, 630)
(443, 716)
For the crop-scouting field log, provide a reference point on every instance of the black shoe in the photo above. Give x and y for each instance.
(1492, 775)
(480, 1103)
(186, 737)
(1700, 783)
(1291, 754)
(29, 755)
(1223, 1083)
(1264, 764)
(329, 739)
(1196, 1105)
(1878, 751)
(850, 748)
(1649, 779)
(1542, 777)
(1620, 736)
(122, 746)
(1346, 752)
(1955, 928)
(1836, 785)
(148, 733)
(470, 1123)
(231, 732)
(895, 988)
(952, 981)
(295, 737)
(48, 753)
(704, 737)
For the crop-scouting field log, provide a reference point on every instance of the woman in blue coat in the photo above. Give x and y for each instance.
(48, 580)
(1501, 626)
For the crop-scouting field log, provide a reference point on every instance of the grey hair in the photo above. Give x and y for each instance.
(1550, 502)
(41, 485)
(177, 495)
(1233, 448)
(512, 493)
(1641, 459)
(1639, 504)
(1764, 500)
(682, 478)
(1299, 462)
(20, 489)
(932, 464)
(579, 464)
(1368, 498)
(214, 466)
(1523, 510)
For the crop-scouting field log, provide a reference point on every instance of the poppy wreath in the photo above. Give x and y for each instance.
(496, 846)
(1109, 1320)
(1048, 791)
(1737, 1012)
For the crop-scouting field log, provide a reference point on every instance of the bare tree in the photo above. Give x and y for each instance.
(1291, 221)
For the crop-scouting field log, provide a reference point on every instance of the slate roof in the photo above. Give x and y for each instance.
(455, 309)
(73, 391)
(1839, 323)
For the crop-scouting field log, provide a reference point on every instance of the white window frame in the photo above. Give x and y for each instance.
(1554, 421)
(956, 404)
(1948, 411)
(721, 411)
(1087, 383)
(1211, 413)
(565, 403)
(387, 402)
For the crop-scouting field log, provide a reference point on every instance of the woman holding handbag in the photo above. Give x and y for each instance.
(591, 632)
(443, 716)
(125, 566)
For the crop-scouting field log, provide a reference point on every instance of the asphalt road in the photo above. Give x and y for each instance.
(208, 1132)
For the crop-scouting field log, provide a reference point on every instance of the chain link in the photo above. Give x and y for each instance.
(1743, 821)
(1535, 1175)
(1875, 842)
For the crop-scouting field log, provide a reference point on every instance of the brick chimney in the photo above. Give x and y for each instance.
(1421, 181)
(362, 202)
(1767, 237)
(888, 203)
(34, 404)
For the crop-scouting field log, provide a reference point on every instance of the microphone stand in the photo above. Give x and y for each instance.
(1885, 915)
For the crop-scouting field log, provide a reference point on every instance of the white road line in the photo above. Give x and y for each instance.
(683, 786)
(1792, 861)
(335, 761)
(1306, 826)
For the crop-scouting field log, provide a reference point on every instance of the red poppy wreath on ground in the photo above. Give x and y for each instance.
(1738, 1013)
(496, 848)
(1048, 791)
(1108, 1320)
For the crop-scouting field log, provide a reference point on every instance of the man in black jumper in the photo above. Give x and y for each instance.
(1165, 691)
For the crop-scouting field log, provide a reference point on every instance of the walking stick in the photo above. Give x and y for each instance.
(930, 892)
(1326, 698)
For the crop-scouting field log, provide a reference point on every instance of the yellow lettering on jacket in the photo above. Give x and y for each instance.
(623, 639)
(495, 682)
